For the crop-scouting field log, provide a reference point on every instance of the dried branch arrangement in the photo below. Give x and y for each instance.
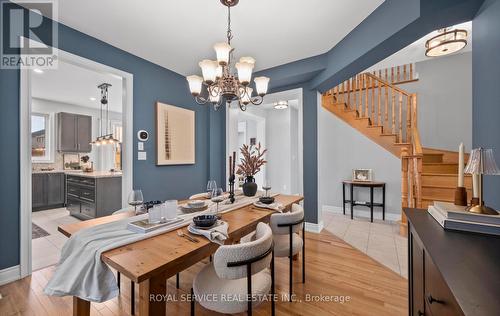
(252, 161)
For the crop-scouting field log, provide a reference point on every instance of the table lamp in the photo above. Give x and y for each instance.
(481, 162)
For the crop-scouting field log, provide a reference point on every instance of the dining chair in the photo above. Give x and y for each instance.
(287, 241)
(132, 283)
(237, 272)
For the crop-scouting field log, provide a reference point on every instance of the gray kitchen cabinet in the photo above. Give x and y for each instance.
(55, 188)
(74, 133)
(47, 190)
(89, 197)
(38, 190)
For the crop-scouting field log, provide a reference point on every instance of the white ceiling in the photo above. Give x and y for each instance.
(76, 85)
(177, 34)
(415, 52)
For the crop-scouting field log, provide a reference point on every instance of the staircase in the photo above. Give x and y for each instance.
(373, 104)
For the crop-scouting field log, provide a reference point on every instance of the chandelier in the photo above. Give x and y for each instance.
(219, 83)
(105, 137)
(446, 42)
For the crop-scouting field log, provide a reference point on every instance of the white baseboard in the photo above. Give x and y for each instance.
(361, 213)
(314, 228)
(10, 274)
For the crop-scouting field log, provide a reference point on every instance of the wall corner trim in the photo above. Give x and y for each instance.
(10, 274)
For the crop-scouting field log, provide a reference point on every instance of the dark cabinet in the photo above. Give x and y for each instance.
(89, 197)
(74, 132)
(47, 190)
(38, 190)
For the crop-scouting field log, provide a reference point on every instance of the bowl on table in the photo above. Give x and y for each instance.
(266, 199)
(196, 203)
(204, 221)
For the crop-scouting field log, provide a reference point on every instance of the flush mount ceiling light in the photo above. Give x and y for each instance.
(446, 42)
(220, 83)
(281, 105)
(105, 137)
(92, 99)
(38, 70)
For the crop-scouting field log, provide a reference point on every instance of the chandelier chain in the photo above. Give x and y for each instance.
(229, 32)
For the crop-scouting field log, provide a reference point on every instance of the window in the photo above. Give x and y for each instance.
(41, 139)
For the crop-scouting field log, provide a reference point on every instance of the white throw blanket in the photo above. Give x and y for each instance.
(82, 273)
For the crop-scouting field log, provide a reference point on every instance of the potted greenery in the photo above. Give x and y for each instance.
(250, 164)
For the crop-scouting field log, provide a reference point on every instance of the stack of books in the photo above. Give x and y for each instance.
(454, 217)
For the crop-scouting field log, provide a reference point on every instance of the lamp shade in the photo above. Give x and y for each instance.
(209, 70)
(219, 71)
(482, 161)
(247, 59)
(195, 83)
(246, 95)
(222, 51)
(244, 72)
(261, 85)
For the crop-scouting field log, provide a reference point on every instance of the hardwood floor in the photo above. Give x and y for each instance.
(333, 268)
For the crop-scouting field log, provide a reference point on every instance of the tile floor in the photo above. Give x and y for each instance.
(379, 240)
(46, 250)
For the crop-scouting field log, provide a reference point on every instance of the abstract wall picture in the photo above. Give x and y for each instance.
(175, 135)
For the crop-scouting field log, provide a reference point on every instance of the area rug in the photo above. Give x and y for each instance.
(37, 231)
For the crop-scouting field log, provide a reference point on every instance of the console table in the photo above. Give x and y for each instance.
(371, 204)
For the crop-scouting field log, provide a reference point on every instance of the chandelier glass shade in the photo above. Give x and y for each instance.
(220, 84)
(446, 42)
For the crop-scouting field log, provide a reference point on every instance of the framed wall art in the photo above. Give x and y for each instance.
(175, 135)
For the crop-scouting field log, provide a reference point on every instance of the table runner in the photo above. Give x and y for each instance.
(81, 272)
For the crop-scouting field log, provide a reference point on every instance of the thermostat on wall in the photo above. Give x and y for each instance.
(142, 135)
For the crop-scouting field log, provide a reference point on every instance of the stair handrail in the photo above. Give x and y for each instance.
(386, 83)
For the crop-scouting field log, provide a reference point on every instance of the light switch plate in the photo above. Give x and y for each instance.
(140, 146)
(141, 155)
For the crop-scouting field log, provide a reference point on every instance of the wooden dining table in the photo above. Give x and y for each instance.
(150, 262)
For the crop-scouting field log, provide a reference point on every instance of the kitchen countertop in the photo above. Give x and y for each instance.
(95, 174)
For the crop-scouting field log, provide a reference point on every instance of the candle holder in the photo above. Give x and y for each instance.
(231, 188)
(461, 196)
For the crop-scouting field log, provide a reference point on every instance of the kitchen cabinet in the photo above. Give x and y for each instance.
(47, 190)
(90, 197)
(74, 133)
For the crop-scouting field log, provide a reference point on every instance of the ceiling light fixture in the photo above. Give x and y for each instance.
(448, 41)
(92, 99)
(38, 70)
(281, 105)
(223, 84)
(104, 138)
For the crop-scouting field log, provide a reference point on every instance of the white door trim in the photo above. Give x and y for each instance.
(25, 145)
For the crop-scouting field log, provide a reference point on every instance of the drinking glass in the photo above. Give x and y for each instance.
(217, 197)
(135, 198)
(154, 214)
(211, 186)
(170, 209)
(266, 186)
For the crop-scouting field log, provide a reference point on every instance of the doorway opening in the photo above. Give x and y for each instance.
(66, 176)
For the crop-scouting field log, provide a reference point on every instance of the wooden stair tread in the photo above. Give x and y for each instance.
(388, 135)
(402, 144)
(441, 163)
(443, 174)
(434, 186)
(429, 198)
(375, 126)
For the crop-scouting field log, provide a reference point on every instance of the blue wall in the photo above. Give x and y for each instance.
(151, 83)
(486, 90)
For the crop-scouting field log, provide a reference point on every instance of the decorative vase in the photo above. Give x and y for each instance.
(249, 187)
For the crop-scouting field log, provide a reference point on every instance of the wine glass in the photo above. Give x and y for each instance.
(217, 197)
(211, 186)
(266, 186)
(135, 198)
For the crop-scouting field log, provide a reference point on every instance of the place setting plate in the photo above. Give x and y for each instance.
(194, 206)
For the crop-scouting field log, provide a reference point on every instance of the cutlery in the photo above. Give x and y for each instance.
(180, 233)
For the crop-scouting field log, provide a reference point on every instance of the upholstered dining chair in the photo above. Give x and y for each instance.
(237, 272)
(132, 283)
(287, 241)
